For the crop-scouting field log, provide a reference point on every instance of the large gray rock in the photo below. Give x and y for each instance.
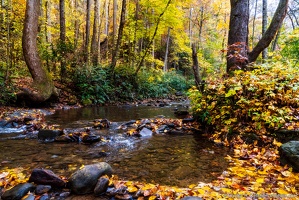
(84, 180)
(46, 177)
(289, 154)
(18, 191)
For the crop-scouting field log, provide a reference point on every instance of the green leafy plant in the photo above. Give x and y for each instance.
(259, 101)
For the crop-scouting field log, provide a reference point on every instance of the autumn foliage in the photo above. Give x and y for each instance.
(260, 101)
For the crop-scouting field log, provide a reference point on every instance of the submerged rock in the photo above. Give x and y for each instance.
(46, 177)
(84, 180)
(289, 154)
(88, 139)
(101, 186)
(41, 189)
(18, 191)
(46, 135)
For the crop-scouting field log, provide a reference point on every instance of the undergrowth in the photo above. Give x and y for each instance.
(259, 101)
(98, 85)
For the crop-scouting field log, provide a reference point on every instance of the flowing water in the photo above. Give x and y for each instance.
(176, 160)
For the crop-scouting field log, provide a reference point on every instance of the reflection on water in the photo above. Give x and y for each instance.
(164, 159)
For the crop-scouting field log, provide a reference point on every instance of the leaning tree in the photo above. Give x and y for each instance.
(238, 55)
(43, 86)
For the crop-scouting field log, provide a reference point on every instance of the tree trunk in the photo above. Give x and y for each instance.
(87, 33)
(94, 41)
(42, 83)
(237, 55)
(166, 51)
(195, 67)
(253, 23)
(76, 25)
(120, 33)
(264, 26)
(114, 21)
(62, 39)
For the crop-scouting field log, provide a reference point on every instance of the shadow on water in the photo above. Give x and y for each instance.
(168, 160)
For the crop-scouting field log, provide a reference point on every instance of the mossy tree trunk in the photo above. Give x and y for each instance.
(43, 87)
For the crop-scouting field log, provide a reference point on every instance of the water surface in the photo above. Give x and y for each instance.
(177, 160)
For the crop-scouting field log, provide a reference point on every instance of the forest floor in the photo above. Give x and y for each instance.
(254, 172)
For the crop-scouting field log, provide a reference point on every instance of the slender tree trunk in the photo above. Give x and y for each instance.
(264, 26)
(94, 40)
(120, 34)
(8, 44)
(107, 5)
(253, 24)
(200, 24)
(195, 67)
(165, 68)
(42, 81)
(114, 21)
(76, 24)
(62, 39)
(190, 26)
(275, 41)
(107, 17)
(87, 33)
(292, 22)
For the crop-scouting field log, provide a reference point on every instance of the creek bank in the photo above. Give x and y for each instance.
(93, 179)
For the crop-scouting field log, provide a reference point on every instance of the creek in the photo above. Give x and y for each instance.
(174, 160)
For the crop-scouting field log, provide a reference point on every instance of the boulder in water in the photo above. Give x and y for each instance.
(84, 180)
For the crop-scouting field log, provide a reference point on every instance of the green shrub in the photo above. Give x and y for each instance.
(93, 84)
(258, 101)
(7, 95)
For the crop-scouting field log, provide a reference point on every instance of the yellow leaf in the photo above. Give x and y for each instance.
(192, 186)
(226, 190)
(277, 143)
(260, 180)
(201, 191)
(152, 198)
(132, 189)
(282, 191)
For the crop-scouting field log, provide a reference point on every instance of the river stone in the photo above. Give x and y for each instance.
(145, 132)
(84, 180)
(48, 135)
(289, 154)
(101, 186)
(46, 177)
(191, 198)
(88, 139)
(18, 191)
(41, 189)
